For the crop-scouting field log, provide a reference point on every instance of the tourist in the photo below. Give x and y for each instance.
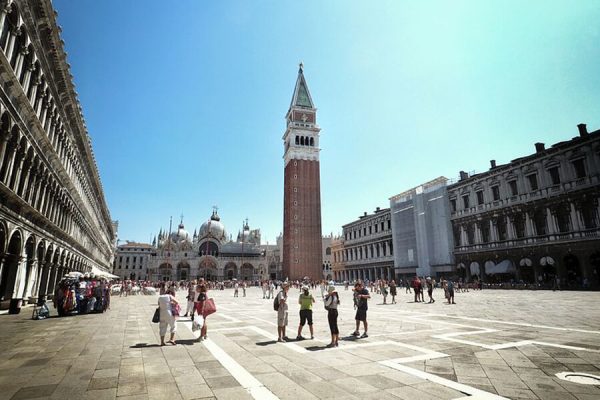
(384, 290)
(271, 290)
(393, 291)
(430, 284)
(202, 297)
(332, 300)
(265, 289)
(407, 286)
(362, 295)
(190, 299)
(166, 303)
(416, 284)
(244, 289)
(282, 312)
(236, 286)
(450, 286)
(306, 301)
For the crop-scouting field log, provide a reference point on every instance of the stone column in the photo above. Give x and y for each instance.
(20, 60)
(493, 231)
(3, 147)
(477, 236)
(575, 221)
(9, 165)
(3, 13)
(27, 78)
(550, 222)
(35, 84)
(510, 229)
(528, 226)
(12, 38)
(462, 236)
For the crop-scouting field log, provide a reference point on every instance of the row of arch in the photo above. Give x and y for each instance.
(208, 269)
(31, 266)
(22, 168)
(305, 141)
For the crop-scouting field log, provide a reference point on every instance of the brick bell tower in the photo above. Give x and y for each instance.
(302, 241)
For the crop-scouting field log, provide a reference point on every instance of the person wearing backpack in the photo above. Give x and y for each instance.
(450, 292)
(332, 300)
(280, 305)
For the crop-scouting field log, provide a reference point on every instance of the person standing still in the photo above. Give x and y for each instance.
(362, 295)
(306, 300)
(202, 297)
(282, 312)
(393, 291)
(235, 289)
(332, 300)
(244, 289)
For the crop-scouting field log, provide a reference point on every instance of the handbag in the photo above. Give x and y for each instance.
(156, 317)
(197, 324)
(209, 307)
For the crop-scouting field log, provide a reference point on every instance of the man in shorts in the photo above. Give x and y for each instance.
(282, 312)
(306, 301)
(362, 295)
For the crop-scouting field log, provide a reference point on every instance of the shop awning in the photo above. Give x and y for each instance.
(503, 267)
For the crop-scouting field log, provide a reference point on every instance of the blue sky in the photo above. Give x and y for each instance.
(185, 101)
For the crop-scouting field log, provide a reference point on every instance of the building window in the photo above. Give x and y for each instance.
(480, 197)
(370, 229)
(513, 188)
(496, 192)
(295, 203)
(554, 175)
(376, 228)
(453, 205)
(579, 166)
(295, 189)
(470, 234)
(533, 183)
(364, 231)
(519, 224)
(382, 226)
(295, 176)
(389, 224)
(539, 219)
(466, 201)
(501, 227)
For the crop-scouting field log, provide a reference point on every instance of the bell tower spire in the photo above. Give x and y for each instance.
(302, 241)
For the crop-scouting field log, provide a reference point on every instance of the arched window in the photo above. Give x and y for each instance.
(328, 251)
(312, 141)
(302, 140)
(297, 139)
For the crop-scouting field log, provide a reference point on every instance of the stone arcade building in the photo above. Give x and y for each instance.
(365, 250)
(53, 216)
(533, 219)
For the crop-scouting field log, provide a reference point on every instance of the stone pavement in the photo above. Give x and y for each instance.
(491, 345)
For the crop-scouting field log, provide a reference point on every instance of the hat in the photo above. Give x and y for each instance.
(304, 288)
(285, 284)
(331, 288)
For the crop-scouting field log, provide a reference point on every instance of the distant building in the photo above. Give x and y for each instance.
(131, 260)
(365, 250)
(422, 234)
(327, 257)
(533, 219)
(208, 254)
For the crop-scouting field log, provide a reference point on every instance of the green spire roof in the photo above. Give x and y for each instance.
(301, 97)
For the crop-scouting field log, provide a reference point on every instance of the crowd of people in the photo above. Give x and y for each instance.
(81, 294)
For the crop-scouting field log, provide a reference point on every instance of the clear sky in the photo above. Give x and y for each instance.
(185, 100)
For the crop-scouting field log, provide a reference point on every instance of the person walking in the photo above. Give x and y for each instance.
(272, 290)
(282, 312)
(362, 295)
(430, 284)
(191, 296)
(236, 287)
(306, 301)
(244, 289)
(450, 286)
(201, 300)
(416, 284)
(384, 290)
(332, 300)
(393, 291)
(166, 304)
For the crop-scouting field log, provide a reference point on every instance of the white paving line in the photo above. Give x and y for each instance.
(239, 373)
(471, 391)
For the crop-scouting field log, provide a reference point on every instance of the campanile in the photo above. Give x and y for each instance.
(302, 241)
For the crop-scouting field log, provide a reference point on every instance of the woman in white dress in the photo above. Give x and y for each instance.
(166, 303)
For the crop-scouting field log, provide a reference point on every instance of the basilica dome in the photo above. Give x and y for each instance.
(213, 227)
(181, 235)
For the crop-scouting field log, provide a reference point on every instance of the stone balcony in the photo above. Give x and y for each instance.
(588, 234)
(368, 261)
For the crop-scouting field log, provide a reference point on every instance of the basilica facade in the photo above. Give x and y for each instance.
(209, 253)
(53, 214)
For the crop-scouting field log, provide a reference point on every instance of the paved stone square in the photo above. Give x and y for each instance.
(490, 345)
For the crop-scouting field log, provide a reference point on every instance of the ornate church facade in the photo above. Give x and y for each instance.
(53, 214)
(209, 253)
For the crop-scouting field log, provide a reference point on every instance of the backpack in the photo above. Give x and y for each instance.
(276, 303)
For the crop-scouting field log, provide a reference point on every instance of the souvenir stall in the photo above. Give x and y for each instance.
(77, 293)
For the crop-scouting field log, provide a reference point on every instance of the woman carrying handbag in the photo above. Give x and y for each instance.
(205, 307)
